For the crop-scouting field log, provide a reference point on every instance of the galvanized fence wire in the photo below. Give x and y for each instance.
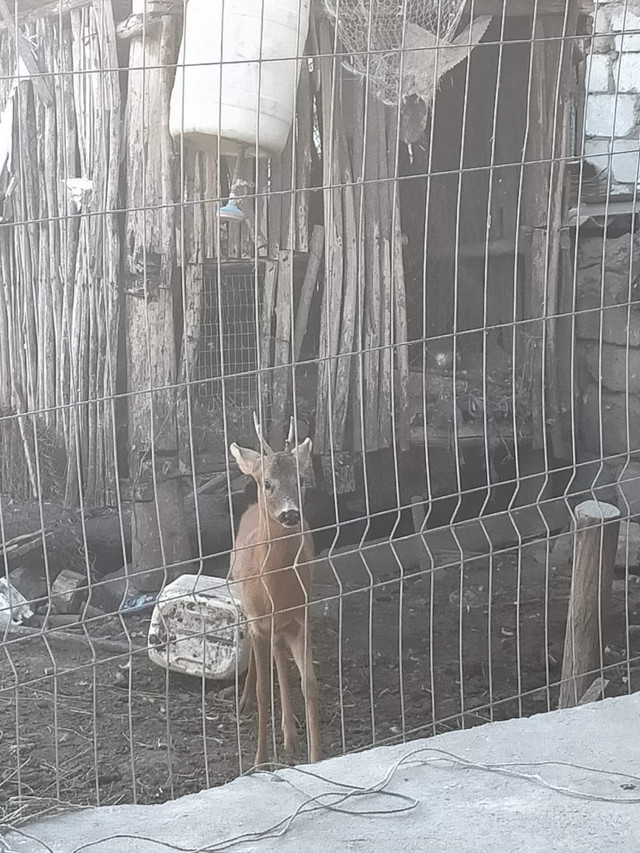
(441, 584)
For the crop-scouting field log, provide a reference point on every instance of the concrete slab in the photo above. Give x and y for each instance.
(455, 808)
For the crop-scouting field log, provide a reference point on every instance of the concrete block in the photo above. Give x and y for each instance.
(110, 592)
(621, 155)
(618, 19)
(598, 152)
(624, 161)
(614, 289)
(31, 584)
(69, 592)
(598, 73)
(611, 363)
(627, 43)
(614, 325)
(626, 72)
(610, 115)
(602, 22)
(614, 421)
(602, 44)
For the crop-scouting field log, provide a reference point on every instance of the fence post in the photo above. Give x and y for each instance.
(159, 530)
(594, 553)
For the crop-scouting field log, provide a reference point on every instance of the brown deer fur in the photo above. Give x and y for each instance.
(272, 574)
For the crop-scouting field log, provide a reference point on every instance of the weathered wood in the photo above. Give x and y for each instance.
(110, 98)
(190, 249)
(596, 540)
(41, 84)
(525, 8)
(371, 298)
(265, 375)
(349, 301)
(21, 545)
(136, 25)
(37, 10)
(545, 201)
(304, 145)
(356, 127)
(559, 207)
(159, 534)
(400, 350)
(316, 250)
(282, 352)
(64, 268)
(331, 309)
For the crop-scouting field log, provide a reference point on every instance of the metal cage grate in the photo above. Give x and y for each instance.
(227, 360)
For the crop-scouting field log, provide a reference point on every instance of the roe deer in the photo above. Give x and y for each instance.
(271, 565)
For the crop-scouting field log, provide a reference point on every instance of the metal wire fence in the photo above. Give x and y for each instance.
(198, 223)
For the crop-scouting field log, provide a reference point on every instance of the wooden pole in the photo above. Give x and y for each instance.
(159, 531)
(316, 252)
(595, 544)
(545, 200)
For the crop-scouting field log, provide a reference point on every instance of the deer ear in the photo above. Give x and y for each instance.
(247, 459)
(303, 454)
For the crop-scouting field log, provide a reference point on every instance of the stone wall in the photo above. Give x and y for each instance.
(608, 275)
(608, 358)
(613, 93)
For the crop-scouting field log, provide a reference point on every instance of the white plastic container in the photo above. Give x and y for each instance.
(14, 607)
(198, 628)
(210, 100)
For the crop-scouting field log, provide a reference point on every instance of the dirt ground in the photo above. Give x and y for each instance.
(83, 730)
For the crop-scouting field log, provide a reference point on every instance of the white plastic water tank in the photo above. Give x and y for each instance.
(198, 628)
(250, 98)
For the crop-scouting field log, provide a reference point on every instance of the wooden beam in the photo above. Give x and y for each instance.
(524, 8)
(53, 8)
(316, 252)
(160, 537)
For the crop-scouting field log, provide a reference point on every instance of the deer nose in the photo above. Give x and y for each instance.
(289, 518)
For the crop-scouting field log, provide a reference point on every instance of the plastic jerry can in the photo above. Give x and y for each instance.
(198, 628)
(237, 74)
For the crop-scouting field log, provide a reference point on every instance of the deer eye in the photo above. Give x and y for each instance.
(267, 485)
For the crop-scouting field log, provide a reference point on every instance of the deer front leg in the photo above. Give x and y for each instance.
(248, 698)
(262, 652)
(304, 661)
(288, 720)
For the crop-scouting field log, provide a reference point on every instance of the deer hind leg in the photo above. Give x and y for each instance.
(262, 651)
(304, 661)
(248, 698)
(288, 719)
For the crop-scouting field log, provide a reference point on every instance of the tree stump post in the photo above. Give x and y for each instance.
(595, 543)
(160, 537)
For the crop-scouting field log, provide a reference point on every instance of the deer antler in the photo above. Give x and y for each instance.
(288, 445)
(263, 442)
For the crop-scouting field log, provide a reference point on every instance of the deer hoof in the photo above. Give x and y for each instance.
(290, 745)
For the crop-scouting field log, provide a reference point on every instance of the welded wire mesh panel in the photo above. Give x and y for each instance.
(229, 321)
(385, 438)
